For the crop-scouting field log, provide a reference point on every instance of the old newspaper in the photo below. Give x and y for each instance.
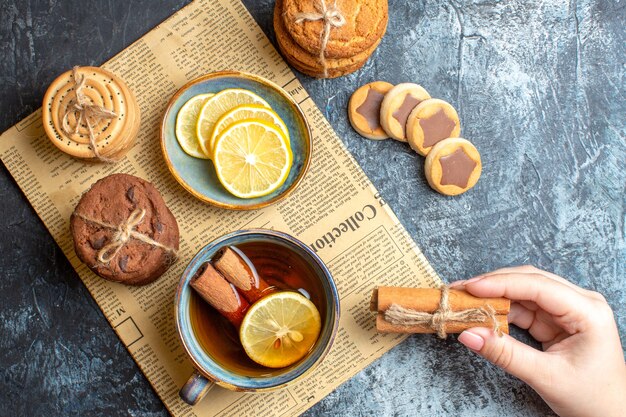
(374, 249)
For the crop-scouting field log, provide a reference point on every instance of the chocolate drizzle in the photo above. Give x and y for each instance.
(436, 128)
(456, 168)
(370, 109)
(402, 113)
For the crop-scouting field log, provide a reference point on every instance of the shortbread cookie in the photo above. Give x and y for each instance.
(396, 107)
(430, 122)
(330, 73)
(67, 118)
(365, 24)
(311, 64)
(453, 166)
(123, 231)
(318, 72)
(364, 109)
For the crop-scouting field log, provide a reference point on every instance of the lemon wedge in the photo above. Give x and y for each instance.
(280, 329)
(252, 158)
(216, 106)
(186, 121)
(243, 112)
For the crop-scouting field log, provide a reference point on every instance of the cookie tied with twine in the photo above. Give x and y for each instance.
(441, 311)
(123, 231)
(332, 18)
(329, 38)
(90, 113)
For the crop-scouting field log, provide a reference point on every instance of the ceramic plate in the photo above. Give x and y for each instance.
(198, 175)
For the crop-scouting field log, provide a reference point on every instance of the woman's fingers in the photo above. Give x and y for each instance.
(509, 354)
(529, 269)
(559, 337)
(538, 323)
(552, 296)
(543, 328)
(521, 316)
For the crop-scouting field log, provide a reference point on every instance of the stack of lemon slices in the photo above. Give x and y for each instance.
(247, 141)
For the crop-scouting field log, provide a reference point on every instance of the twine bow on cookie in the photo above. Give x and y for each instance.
(397, 314)
(332, 18)
(123, 233)
(86, 114)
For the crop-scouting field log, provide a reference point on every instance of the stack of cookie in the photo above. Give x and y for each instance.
(329, 38)
(90, 113)
(123, 231)
(407, 113)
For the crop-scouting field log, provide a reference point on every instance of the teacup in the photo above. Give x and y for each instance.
(210, 368)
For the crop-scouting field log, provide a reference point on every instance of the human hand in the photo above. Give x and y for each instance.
(581, 371)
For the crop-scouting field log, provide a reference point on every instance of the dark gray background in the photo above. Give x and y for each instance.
(539, 86)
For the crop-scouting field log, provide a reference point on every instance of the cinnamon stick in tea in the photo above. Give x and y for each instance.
(410, 302)
(239, 271)
(219, 293)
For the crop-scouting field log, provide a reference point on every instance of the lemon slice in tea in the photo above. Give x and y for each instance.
(280, 329)
(252, 158)
(216, 106)
(243, 112)
(186, 122)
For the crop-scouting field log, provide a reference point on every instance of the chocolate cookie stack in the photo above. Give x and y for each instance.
(123, 230)
(329, 38)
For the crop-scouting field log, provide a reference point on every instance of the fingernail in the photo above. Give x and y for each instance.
(475, 279)
(458, 283)
(471, 340)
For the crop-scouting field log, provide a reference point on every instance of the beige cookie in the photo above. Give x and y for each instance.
(396, 107)
(430, 122)
(67, 130)
(453, 166)
(360, 24)
(310, 64)
(364, 109)
(318, 72)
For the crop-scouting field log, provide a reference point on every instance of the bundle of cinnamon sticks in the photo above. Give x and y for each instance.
(230, 284)
(441, 311)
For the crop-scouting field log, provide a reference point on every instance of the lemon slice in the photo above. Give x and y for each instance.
(243, 112)
(280, 329)
(186, 122)
(252, 158)
(216, 106)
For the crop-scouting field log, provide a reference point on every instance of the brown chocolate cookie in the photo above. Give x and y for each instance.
(123, 231)
(364, 23)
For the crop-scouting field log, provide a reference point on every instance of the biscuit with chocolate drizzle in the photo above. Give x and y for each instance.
(364, 109)
(396, 107)
(453, 166)
(430, 122)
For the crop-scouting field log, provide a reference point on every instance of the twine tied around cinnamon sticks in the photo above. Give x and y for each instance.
(123, 233)
(399, 315)
(332, 18)
(86, 114)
